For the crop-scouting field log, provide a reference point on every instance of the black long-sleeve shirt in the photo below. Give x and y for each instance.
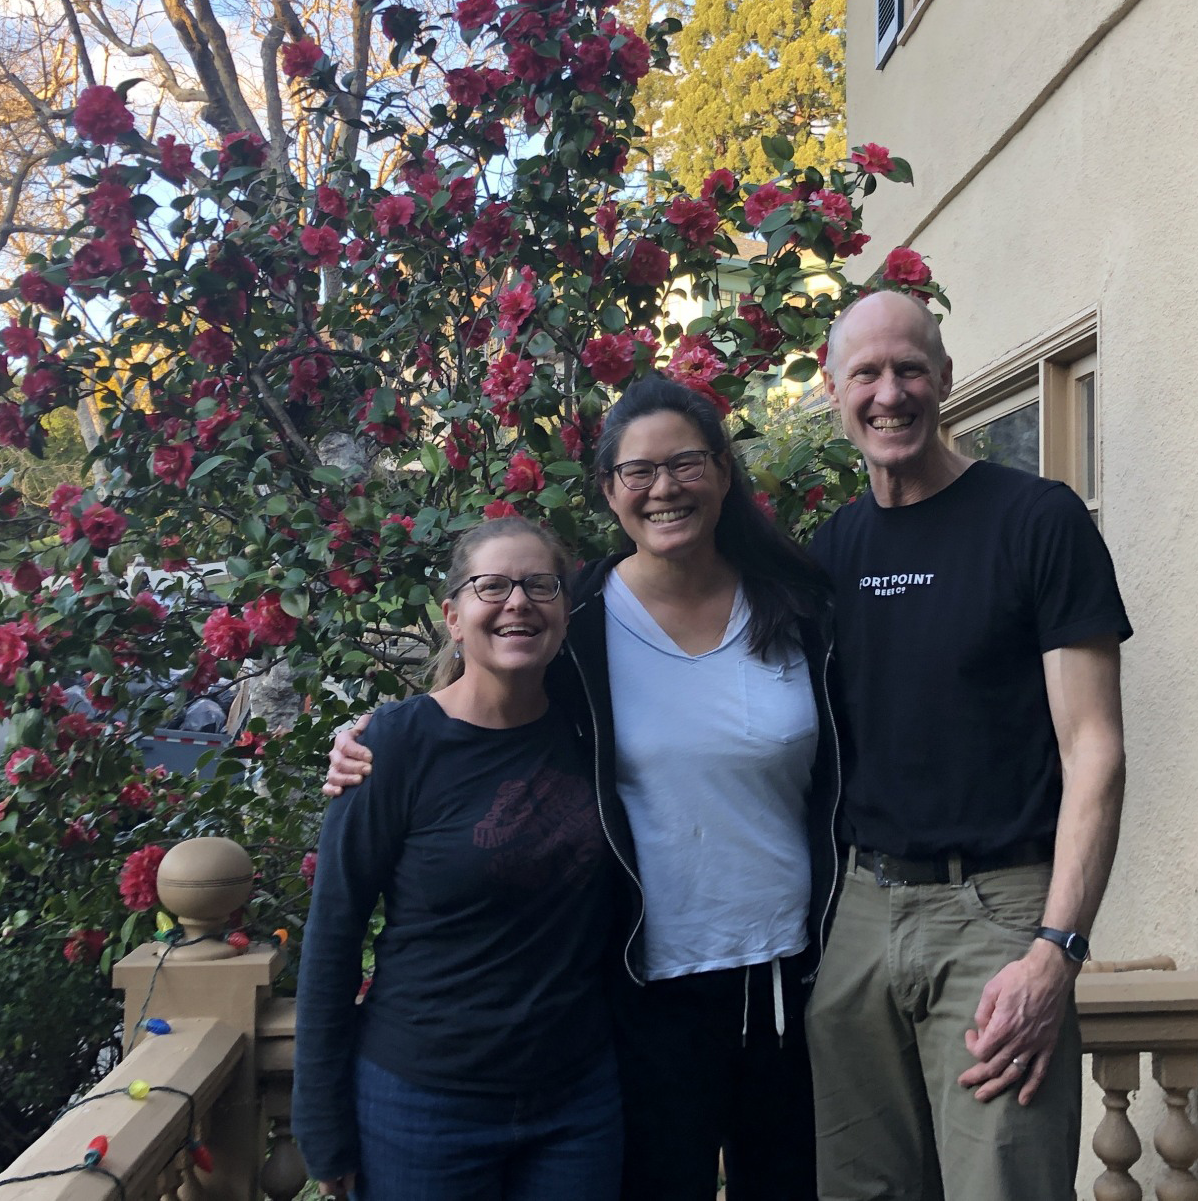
(487, 850)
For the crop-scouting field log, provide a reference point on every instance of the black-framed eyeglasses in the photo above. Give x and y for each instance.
(685, 467)
(541, 587)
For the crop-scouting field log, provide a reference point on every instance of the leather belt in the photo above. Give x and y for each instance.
(951, 868)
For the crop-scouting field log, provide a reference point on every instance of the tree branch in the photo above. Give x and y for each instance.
(80, 45)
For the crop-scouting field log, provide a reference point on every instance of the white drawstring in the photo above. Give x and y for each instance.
(779, 1014)
(744, 1034)
(779, 1010)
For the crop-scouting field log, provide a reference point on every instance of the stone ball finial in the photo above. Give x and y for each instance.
(202, 882)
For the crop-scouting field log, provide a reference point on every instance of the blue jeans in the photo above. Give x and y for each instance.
(423, 1144)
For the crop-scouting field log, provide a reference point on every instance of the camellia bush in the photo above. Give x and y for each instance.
(314, 388)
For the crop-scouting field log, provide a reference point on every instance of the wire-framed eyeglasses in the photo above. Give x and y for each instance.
(685, 467)
(541, 587)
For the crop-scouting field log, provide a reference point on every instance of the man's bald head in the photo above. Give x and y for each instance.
(935, 343)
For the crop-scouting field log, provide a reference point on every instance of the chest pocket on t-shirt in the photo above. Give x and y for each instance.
(778, 702)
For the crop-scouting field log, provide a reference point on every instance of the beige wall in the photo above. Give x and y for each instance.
(1055, 149)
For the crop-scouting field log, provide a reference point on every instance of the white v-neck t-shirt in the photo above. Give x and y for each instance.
(713, 762)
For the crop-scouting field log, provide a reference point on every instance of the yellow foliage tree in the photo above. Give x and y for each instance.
(748, 68)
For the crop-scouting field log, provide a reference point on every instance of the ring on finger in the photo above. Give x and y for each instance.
(1016, 1062)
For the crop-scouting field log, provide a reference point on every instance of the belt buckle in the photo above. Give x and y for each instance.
(880, 877)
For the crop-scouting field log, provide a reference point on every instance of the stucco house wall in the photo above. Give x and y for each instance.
(1055, 153)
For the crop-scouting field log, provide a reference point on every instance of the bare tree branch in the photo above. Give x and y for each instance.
(80, 45)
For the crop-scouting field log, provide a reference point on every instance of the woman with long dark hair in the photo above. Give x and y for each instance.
(699, 659)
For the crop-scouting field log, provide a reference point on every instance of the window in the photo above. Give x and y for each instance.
(1037, 409)
(890, 21)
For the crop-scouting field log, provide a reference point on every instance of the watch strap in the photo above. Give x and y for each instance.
(1076, 946)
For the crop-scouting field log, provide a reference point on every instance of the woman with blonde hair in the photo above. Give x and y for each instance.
(480, 1064)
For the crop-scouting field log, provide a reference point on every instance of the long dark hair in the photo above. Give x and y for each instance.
(781, 581)
(446, 666)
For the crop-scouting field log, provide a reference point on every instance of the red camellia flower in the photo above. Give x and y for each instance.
(524, 474)
(322, 242)
(134, 795)
(873, 159)
(213, 347)
(762, 202)
(834, 207)
(36, 289)
(242, 149)
(172, 463)
(268, 622)
(110, 206)
(695, 220)
(139, 878)
(101, 115)
(492, 232)
(813, 497)
(605, 219)
(308, 868)
(14, 429)
(405, 523)
(174, 158)
(763, 502)
(767, 335)
(592, 56)
(172, 555)
(84, 946)
(633, 58)
(62, 499)
(330, 200)
(517, 304)
(507, 379)
(466, 85)
(906, 266)
(144, 304)
(226, 636)
(474, 14)
(14, 650)
(307, 374)
(461, 194)
(43, 385)
(95, 260)
(610, 357)
(500, 508)
(393, 213)
(527, 65)
(102, 527)
(28, 766)
(300, 58)
(73, 728)
(28, 578)
(720, 181)
(648, 265)
(147, 611)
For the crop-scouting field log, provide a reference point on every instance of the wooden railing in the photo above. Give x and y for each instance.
(220, 1080)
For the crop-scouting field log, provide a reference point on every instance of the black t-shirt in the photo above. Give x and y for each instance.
(944, 610)
(487, 849)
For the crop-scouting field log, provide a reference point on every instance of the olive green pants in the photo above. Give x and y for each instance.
(901, 979)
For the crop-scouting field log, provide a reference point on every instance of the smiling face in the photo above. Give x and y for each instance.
(518, 636)
(668, 519)
(887, 378)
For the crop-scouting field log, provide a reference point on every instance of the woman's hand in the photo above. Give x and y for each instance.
(339, 1186)
(349, 761)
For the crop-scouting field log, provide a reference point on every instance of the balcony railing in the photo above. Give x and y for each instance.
(214, 1122)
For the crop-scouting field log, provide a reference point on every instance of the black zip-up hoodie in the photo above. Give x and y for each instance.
(579, 683)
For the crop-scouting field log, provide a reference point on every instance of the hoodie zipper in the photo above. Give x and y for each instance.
(603, 821)
(823, 921)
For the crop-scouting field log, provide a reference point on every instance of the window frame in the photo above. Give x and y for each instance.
(886, 39)
(1051, 367)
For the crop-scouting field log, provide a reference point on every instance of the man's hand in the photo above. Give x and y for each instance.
(1018, 1020)
(340, 1186)
(349, 760)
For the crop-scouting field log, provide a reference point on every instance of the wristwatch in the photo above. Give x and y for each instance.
(1075, 946)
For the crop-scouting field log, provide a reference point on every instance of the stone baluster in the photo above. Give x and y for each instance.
(1176, 1138)
(202, 881)
(1115, 1141)
(284, 1173)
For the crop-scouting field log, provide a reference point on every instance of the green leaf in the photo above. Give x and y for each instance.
(294, 602)
(801, 369)
(208, 465)
(328, 474)
(277, 505)
(612, 319)
(566, 468)
(552, 496)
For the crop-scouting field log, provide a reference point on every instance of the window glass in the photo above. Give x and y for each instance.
(1012, 439)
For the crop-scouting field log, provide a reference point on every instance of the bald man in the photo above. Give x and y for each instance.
(977, 656)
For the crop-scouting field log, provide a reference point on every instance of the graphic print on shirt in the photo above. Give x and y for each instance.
(897, 583)
(542, 831)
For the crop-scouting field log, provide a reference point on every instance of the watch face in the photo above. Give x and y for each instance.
(1077, 948)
